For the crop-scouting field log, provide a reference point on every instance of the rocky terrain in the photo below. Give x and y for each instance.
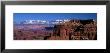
(69, 30)
(75, 30)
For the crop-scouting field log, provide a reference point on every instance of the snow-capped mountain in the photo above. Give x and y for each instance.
(59, 21)
(43, 21)
(33, 22)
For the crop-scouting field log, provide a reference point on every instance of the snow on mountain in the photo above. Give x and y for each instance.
(43, 21)
(33, 22)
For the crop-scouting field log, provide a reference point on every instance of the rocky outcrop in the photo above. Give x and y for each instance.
(75, 30)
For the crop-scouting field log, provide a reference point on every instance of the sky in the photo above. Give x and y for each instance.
(20, 17)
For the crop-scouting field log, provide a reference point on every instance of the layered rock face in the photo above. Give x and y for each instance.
(75, 30)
